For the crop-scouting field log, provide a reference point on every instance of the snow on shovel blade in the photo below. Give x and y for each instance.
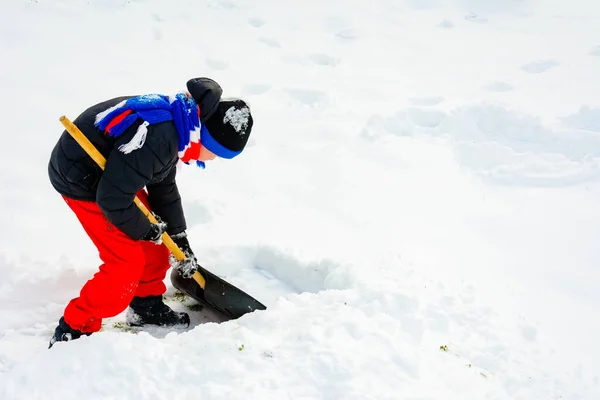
(218, 294)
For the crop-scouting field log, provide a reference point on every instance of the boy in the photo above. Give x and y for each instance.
(143, 138)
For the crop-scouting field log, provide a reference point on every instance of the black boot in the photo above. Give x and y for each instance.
(64, 333)
(152, 311)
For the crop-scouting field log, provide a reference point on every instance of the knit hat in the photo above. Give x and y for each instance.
(228, 128)
(207, 94)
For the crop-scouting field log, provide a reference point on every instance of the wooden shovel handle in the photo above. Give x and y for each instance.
(101, 161)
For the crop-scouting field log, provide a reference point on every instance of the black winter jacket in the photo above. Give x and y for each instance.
(75, 175)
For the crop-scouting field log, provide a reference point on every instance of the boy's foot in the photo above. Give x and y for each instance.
(64, 333)
(152, 311)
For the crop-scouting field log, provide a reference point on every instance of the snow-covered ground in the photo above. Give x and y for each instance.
(419, 207)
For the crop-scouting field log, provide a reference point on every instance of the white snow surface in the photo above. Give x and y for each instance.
(237, 118)
(418, 205)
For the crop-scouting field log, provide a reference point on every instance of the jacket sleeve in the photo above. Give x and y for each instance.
(124, 175)
(165, 201)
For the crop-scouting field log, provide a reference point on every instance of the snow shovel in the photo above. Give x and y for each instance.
(204, 286)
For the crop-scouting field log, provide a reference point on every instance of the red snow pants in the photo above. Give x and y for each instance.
(130, 268)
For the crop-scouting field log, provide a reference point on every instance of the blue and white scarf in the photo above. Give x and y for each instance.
(154, 109)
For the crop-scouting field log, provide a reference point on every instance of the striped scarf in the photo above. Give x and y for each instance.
(154, 109)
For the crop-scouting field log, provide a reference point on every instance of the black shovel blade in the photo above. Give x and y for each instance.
(218, 294)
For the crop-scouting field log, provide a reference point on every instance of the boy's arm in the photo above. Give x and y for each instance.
(124, 175)
(165, 201)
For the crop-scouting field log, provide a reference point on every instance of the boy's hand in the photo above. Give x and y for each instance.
(155, 232)
(189, 265)
(186, 267)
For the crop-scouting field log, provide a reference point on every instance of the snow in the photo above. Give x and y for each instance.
(237, 118)
(417, 205)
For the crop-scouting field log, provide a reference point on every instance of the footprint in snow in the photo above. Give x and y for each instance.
(308, 97)
(215, 64)
(537, 67)
(473, 17)
(228, 5)
(348, 35)
(528, 332)
(256, 22)
(157, 34)
(499, 86)
(446, 24)
(426, 118)
(323, 59)
(270, 42)
(255, 89)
